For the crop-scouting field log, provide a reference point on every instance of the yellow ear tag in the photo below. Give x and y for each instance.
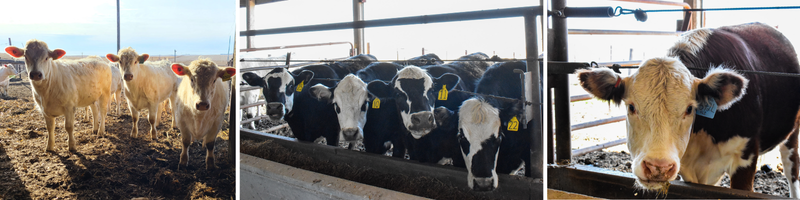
(443, 93)
(376, 104)
(513, 124)
(300, 86)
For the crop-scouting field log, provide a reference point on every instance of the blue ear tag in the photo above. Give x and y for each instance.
(707, 108)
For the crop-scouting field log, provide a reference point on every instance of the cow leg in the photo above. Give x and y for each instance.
(135, 119)
(105, 100)
(186, 141)
(51, 140)
(743, 178)
(208, 141)
(95, 117)
(69, 125)
(790, 163)
(152, 116)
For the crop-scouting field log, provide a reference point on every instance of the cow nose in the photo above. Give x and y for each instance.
(128, 77)
(275, 110)
(201, 105)
(35, 75)
(659, 169)
(483, 184)
(350, 134)
(423, 119)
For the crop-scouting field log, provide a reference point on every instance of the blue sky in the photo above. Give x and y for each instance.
(155, 27)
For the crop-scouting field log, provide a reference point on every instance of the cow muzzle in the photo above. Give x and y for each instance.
(35, 75)
(128, 77)
(659, 170)
(422, 121)
(483, 184)
(275, 111)
(202, 105)
(351, 134)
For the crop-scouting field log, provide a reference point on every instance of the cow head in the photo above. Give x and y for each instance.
(37, 58)
(350, 101)
(415, 92)
(128, 60)
(279, 87)
(479, 137)
(661, 99)
(203, 74)
(10, 70)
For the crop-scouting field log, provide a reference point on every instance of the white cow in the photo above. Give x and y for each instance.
(200, 107)
(147, 84)
(60, 86)
(5, 71)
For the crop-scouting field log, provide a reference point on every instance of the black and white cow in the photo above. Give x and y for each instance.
(279, 88)
(749, 114)
(415, 92)
(349, 99)
(490, 134)
(384, 128)
(469, 69)
(427, 59)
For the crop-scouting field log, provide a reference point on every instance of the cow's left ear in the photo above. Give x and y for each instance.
(322, 93)
(58, 53)
(723, 85)
(226, 73)
(15, 52)
(442, 116)
(143, 58)
(179, 69)
(447, 80)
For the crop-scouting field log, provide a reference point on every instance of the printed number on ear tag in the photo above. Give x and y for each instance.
(376, 104)
(300, 86)
(513, 124)
(443, 93)
(707, 108)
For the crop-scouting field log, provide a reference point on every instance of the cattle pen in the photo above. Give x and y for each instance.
(425, 176)
(563, 173)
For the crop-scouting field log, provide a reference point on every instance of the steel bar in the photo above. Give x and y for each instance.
(558, 52)
(550, 148)
(425, 19)
(295, 46)
(597, 122)
(619, 32)
(252, 104)
(584, 151)
(534, 81)
(687, 16)
(603, 183)
(580, 97)
(510, 187)
(589, 12)
(248, 88)
(358, 33)
(232, 150)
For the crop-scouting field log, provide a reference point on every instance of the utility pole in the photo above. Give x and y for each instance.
(117, 25)
(175, 56)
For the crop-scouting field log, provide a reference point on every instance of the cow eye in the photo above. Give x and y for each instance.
(336, 106)
(364, 106)
(689, 110)
(631, 109)
(500, 138)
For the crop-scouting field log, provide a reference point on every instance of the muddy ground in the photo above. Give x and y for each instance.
(115, 166)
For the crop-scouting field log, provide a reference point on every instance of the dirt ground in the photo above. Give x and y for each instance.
(115, 166)
(769, 179)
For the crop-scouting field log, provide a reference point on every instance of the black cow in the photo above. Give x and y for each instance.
(490, 130)
(740, 116)
(352, 65)
(427, 59)
(383, 125)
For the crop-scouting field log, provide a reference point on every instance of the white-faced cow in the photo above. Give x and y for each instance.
(491, 134)
(746, 114)
(5, 72)
(147, 84)
(415, 92)
(349, 99)
(60, 86)
(202, 98)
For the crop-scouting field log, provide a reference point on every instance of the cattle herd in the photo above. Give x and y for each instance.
(413, 107)
(197, 93)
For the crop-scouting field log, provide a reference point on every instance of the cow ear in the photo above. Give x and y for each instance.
(304, 77)
(603, 84)
(112, 57)
(447, 80)
(15, 52)
(723, 85)
(380, 89)
(179, 69)
(143, 58)
(226, 73)
(322, 93)
(442, 115)
(58, 53)
(253, 79)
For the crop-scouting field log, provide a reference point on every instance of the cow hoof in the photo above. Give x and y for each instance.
(211, 167)
(49, 150)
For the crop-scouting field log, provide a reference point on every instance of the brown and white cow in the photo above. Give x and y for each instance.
(665, 98)
(200, 105)
(147, 84)
(60, 86)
